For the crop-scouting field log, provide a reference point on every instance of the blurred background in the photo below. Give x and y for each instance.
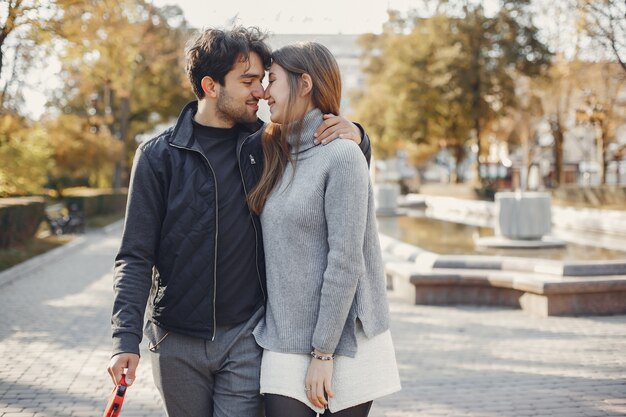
(499, 143)
(460, 98)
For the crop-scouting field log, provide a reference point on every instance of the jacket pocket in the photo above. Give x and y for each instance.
(155, 335)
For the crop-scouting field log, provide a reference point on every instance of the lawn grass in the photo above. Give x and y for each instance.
(20, 253)
(103, 220)
(45, 242)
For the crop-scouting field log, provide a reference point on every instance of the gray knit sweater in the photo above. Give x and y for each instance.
(323, 258)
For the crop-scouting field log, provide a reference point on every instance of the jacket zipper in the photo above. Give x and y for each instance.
(216, 232)
(256, 233)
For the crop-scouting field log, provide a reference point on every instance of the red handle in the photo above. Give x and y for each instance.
(114, 406)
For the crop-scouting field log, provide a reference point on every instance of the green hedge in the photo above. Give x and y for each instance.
(97, 202)
(604, 195)
(19, 219)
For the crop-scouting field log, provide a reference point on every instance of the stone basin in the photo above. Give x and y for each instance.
(523, 216)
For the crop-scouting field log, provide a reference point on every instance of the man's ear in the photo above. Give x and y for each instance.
(210, 87)
(306, 84)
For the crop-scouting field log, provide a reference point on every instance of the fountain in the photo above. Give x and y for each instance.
(522, 220)
(387, 199)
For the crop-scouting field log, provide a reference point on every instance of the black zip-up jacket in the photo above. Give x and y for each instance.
(170, 234)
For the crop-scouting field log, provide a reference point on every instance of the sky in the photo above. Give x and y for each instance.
(280, 16)
(301, 17)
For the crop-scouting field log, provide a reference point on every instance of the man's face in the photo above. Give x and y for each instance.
(239, 96)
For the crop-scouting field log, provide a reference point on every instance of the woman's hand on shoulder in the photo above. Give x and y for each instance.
(337, 127)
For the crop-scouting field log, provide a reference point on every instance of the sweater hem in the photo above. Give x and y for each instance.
(336, 407)
(333, 406)
(301, 351)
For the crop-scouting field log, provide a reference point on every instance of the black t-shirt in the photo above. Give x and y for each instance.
(238, 287)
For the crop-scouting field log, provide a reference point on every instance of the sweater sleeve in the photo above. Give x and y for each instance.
(136, 256)
(345, 207)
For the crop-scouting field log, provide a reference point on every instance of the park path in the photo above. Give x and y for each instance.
(463, 361)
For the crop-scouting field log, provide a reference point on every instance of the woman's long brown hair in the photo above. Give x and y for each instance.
(304, 58)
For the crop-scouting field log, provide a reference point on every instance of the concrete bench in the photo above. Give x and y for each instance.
(529, 265)
(536, 293)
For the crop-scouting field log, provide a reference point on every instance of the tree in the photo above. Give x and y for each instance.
(81, 150)
(495, 50)
(13, 15)
(433, 80)
(605, 22)
(409, 98)
(128, 55)
(556, 90)
(20, 21)
(600, 106)
(24, 156)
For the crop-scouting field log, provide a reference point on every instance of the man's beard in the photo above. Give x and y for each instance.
(228, 110)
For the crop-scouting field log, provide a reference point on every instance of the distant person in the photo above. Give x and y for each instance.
(190, 234)
(328, 348)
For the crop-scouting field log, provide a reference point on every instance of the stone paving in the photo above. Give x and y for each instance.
(463, 361)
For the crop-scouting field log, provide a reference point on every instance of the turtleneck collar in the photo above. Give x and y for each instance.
(310, 123)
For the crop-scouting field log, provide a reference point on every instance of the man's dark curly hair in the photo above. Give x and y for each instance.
(214, 52)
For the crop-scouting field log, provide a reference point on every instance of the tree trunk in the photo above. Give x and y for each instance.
(601, 152)
(557, 133)
(602, 146)
(121, 177)
(9, 24)
(458, 158)
(480, 148)
(3, 36)
(1, 59)
(476, 92)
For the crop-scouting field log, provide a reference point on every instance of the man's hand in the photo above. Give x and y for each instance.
(318, 382)
(334, 127)
(118, 363)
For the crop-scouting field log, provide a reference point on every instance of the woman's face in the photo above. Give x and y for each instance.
(277, 93)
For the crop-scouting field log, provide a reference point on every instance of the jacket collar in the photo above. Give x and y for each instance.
(182, 135)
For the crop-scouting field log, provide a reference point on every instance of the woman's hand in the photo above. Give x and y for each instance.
(334, 127)
(318, 381)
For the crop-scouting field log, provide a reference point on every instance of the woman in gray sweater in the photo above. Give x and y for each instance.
(326, 336)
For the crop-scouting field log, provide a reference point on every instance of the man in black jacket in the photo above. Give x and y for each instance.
(190, 243)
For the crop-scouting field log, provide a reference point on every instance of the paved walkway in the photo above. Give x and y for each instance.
(54, 348)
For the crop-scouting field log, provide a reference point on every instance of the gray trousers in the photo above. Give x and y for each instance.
(203, 378)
